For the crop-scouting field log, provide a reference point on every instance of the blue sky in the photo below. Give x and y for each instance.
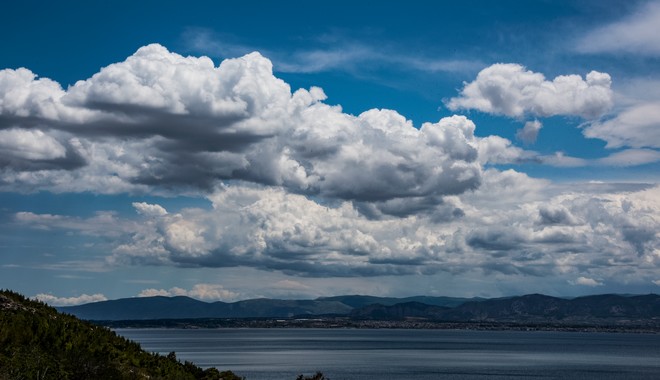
(229, 151)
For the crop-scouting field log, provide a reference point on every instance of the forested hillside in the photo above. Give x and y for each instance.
(37, 342)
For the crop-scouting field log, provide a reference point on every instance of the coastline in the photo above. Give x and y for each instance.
(411, 324)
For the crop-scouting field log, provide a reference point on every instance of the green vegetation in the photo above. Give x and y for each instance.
(37, 342)
(317, 376)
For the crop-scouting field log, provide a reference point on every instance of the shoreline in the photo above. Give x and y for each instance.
(338, 323)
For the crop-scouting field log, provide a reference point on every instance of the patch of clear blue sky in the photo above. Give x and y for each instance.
(71, 40)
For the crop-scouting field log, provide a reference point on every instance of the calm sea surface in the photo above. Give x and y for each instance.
(345, 354)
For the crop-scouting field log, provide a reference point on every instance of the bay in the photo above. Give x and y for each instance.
(388, 354)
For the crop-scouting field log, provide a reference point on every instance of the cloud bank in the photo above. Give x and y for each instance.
(159, 121)
(163, 123)
(301, 187)
(512, 226)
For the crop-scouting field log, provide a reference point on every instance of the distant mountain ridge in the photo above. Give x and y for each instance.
(182, 307)
(536, 308)
(531, 308)
(357, 301)
(185, 307)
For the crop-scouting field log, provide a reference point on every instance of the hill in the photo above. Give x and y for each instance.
(358, 301)
(37, 342)
(610, 309)
(605, 308)
(184, 307)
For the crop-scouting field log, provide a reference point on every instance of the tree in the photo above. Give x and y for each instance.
(37, 342)
(317, 376)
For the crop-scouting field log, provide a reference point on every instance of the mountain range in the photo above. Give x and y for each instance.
(179, 307)
(532, 308)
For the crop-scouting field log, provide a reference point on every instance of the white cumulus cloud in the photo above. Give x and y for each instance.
(512, 224)
(22, 94)
(586, 281)
(300, 186)
(529, 132)
(69, 301)
(147, 209)
(511, 90)
(204, 292)
(160, 122)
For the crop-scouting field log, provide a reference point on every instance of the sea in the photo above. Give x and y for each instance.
(389, 354)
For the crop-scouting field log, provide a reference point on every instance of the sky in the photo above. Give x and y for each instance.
(234, 150)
